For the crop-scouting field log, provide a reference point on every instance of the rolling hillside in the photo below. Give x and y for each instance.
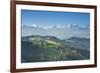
(37, 48)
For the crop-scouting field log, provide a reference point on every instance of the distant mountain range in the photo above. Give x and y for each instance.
(83, 43)
(36, 48)
(58, 26)
(61, 32)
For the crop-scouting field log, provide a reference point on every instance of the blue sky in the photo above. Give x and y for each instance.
(30, 17)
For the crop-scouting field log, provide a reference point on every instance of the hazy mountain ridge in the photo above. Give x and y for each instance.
(79, 42)
(61, 32)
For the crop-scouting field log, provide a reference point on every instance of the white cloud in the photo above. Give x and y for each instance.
(47, 27)
(58, 26)
(68, 26)
(34, 25)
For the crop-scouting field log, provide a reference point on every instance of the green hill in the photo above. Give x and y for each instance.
(48, 48)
